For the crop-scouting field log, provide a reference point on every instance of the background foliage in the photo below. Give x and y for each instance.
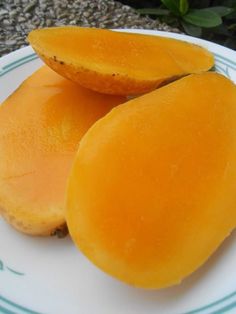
(213, 20)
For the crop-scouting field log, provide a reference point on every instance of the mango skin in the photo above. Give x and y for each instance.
(41, 125)
(116, 62)
(151, 194)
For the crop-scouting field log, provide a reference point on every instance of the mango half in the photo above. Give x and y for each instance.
(116, 62)
(152, 194)
(41, 125)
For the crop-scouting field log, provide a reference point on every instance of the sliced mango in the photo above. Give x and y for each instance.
(117, 62)
(151, 194)
(41, 125)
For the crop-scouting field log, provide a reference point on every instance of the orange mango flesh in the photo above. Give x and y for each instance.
(41, 125)
(151, 194)
(116, 62)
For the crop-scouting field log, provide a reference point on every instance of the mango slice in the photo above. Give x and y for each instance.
(115, 62)
(41, 125)
(151, 194)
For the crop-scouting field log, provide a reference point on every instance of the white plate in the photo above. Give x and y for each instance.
(50, 276)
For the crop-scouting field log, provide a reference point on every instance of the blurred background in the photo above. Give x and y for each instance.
(212, 20)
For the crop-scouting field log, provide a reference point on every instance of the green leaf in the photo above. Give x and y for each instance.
(202, 18)
(221, 11)
(192, 30)
(172, 5)
(153, 11)
(183, 6)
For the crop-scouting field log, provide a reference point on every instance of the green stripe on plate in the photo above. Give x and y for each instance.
(3, 310)
(224, 60)
(17, 65)
(15, 272)
(226, 64)
(225, 309)
(206, 307)
(17, 306)
(9, 65)
(218, 67)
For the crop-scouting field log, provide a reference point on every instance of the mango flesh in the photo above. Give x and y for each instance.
(151, 194)
(41, 125)
(115, 62)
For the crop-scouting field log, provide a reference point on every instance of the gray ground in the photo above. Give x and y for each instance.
(19, 17)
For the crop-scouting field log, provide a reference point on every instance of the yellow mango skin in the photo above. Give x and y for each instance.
(41, 125)
(117, 63)
(151, 194)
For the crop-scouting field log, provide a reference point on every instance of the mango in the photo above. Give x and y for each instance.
(41, 125)
(151, 194)
(116, 62)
